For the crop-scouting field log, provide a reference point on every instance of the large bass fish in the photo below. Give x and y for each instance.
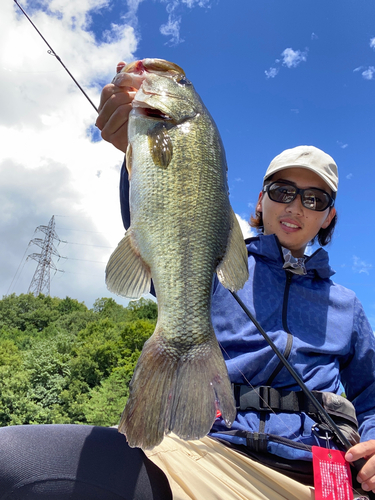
(183, 229)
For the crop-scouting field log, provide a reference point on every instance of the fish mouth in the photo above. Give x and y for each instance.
(152, 113)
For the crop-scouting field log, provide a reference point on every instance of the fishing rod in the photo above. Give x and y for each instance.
(358, 464)
(53, 53)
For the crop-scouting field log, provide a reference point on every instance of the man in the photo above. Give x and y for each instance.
(295, 206)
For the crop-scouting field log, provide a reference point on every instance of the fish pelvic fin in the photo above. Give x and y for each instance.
(176, 394)
(126, 272)
(233, 270)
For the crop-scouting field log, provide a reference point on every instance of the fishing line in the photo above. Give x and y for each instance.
(322, 413)
(358, 464)
(53, 53)
(266, 405)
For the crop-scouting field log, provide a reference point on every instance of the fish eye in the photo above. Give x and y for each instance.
(182, 80)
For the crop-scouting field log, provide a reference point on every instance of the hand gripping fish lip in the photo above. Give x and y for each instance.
(151, 65)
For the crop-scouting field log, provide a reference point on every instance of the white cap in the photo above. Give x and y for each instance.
(307, 157)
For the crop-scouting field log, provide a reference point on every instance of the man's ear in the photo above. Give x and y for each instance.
(258, 208)
(329, 218)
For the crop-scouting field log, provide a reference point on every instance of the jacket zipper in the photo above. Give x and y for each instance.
(289, 341)
(289, 277)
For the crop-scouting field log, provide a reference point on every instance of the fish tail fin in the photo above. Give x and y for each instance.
(172, 393)
(233, 270)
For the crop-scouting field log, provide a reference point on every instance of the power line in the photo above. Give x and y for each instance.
(84, 260)
(84, 274)
(78, 230)
(86, 244)
(10, 286)
(41, 280)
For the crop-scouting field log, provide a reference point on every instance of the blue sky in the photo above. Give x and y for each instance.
(273, 73)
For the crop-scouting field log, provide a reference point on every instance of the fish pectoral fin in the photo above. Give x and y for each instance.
(160, 144)
(126, 272)
(233, 270)
(129, 160)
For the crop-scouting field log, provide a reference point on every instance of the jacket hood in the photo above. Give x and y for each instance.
(268, 246)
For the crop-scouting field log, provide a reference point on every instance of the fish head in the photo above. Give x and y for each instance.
(165, 93)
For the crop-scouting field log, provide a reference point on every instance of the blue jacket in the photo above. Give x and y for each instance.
(332, 339)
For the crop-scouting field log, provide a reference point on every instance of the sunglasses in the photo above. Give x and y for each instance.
(312, 198)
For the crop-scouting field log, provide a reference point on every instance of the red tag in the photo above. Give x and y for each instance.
(332, 476)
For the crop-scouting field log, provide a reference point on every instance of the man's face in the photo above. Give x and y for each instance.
(292, 223)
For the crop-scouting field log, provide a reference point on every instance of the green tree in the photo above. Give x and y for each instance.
(143, 309)
(63, 363)
(107, 400)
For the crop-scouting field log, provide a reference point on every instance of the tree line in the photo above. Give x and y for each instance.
(61, 362)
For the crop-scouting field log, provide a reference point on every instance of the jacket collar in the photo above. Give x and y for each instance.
(268, 246)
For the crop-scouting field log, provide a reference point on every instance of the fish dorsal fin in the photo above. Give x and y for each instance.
(126, 272)
(232, 270)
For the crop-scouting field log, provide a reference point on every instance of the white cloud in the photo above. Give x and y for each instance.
(272, 72)
(349, 176)
(172, 29)
(314, 36)
(131, 15)
(200, 3)
(372, 43)
(292, 58)
(247, 231)
(174, 8)
(368, 74)
(48, 163)
(29, 197)
(360, 266)
(342, 145)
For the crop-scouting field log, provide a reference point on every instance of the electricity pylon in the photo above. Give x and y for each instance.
(41, 279)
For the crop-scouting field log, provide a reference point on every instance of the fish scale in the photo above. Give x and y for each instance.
(182, 231)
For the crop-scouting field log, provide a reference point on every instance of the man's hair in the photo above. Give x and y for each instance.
(324, 236)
